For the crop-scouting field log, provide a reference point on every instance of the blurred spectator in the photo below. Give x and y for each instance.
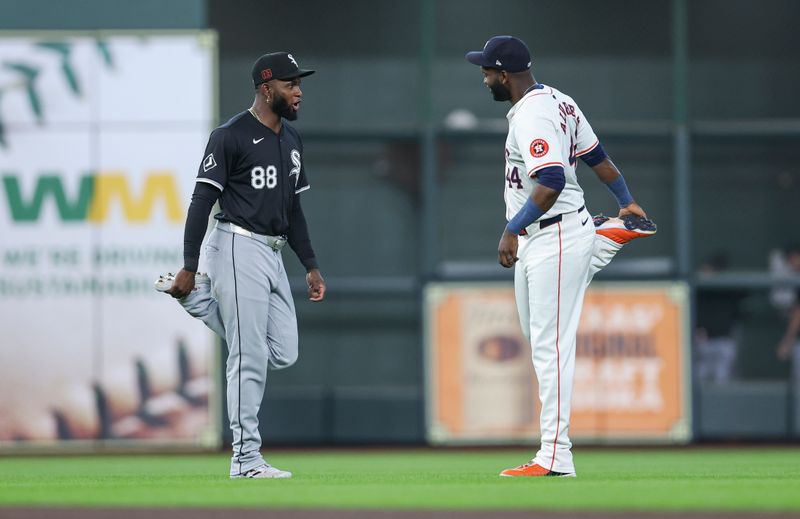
(789, 347)
(717, 333)
(782, 297)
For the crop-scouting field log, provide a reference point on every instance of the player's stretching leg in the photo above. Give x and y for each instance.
(611, 234)
(199, 303)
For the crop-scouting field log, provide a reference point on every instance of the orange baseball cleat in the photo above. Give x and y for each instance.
(531, 469)
(622, 230)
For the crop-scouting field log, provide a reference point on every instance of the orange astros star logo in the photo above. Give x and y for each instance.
(539, 148)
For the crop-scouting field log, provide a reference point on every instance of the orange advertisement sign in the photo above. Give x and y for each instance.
(631, 372)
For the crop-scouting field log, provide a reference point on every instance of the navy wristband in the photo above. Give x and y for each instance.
(529, 213)
(620, 191)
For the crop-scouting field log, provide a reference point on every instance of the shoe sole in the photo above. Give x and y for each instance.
(633, 227)
(623, 236)
(263, 477)
(164, 284)
(554, 475)
(639, 224)
(545, 476)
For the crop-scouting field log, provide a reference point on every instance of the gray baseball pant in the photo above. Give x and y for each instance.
(249, 304)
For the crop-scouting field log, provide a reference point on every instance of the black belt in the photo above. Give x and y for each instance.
(547, 222)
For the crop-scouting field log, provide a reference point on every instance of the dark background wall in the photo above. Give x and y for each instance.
(100, 14)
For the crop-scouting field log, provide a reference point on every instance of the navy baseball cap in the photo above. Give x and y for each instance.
(504, 53)
(277, 65)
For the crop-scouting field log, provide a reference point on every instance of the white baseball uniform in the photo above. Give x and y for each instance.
(558, 254)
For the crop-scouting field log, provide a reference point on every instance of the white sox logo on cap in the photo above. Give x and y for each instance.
(292, 60)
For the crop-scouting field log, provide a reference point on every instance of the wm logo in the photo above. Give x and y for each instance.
(96, 195)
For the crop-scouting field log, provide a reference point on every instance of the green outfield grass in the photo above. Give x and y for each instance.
(668, 479)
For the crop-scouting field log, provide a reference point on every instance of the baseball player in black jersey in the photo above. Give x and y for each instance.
(253, 165)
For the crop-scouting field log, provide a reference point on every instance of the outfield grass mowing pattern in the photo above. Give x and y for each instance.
(668, 479)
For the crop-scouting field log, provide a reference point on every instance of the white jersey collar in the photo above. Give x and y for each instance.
(531, 92)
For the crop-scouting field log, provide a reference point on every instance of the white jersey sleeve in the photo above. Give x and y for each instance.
(538, 142)
(586, 139)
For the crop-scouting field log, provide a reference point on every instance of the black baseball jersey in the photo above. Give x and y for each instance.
(259, 173)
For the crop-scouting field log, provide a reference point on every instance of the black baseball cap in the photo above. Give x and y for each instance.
(503, 53)
(277, 65)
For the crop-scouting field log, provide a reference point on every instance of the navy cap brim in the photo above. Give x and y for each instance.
(296, 74)
(477, 58)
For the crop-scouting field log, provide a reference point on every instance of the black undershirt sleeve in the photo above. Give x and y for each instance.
(298, 237)
(203, 200)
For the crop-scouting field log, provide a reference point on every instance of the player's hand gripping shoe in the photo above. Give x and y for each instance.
(264, 471)
(622, 230)
(531, 469)
(164, 281)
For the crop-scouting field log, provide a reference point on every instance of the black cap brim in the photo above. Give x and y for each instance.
(297, 73)
(477, 58)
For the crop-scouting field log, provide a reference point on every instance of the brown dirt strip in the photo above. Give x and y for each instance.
(250, 513)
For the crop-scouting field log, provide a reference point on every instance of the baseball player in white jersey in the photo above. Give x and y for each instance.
(550, 240)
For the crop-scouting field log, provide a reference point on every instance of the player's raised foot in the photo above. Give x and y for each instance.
(531, 469)
(622, 230)
(264, 472)
(164, 281)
